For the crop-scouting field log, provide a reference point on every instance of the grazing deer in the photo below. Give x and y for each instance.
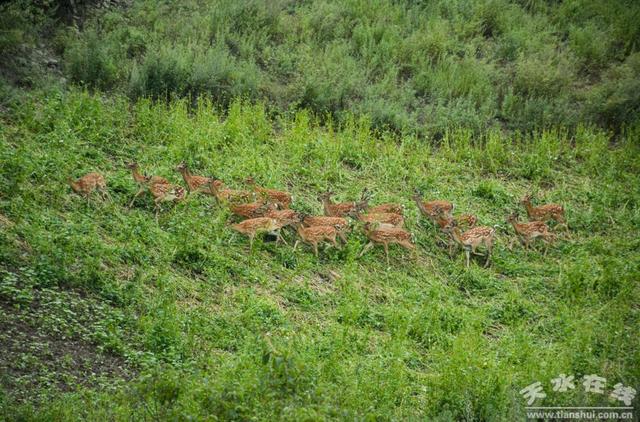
(332, 209)
(279, 198)
(250, 210)
(386, 235)
(472, 239)
(166, 192)
(229, 195)
(88, 183)
(316, 234)
(143, 181)
(381, 208)
(528, 232)
(467, 220)
(391, 219)
(197, 183)
(432, 209)
(340, 224)
(545, 213)
(255, 226)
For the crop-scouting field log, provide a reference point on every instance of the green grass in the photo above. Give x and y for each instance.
(421, 67)
(204, 328)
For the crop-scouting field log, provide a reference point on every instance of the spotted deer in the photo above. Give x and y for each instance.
(197, 183)
(339, 223)
(385, 235)
(472, 239)
(332, 209)
(316, 234)
(254, 226)
(432, 209)
(545, 213)
(529, 232)
(143, 181)
(280, 199)
(89, 183)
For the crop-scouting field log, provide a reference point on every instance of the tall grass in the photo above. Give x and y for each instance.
(215, 331)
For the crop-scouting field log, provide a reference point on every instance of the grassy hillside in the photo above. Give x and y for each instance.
(411, 66)
(110, 315)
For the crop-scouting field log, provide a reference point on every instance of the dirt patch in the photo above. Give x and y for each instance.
(35, 358)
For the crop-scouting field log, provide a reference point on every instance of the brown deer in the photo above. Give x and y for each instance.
(545, 213)
(250, 210)
(88, 183)
(332, 209)
(229, 195)
(316, 234)
(528, 232)
(381, 208)
(197, 183)
(431, 209)
(385, 235)
(279, 198)
(255, 226)
(391, 219)
(340, 224)
(143, 181)
(166, 192)
(472, 239)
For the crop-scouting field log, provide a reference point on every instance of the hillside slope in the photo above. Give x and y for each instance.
(178, 319)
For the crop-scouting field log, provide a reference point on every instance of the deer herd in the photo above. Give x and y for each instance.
(265, 210)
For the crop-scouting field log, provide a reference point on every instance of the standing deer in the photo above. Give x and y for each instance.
(88, 183)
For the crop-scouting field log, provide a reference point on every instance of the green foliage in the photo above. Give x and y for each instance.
(194, 325)
(411, 67)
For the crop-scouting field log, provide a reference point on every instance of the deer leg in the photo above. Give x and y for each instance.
(342, 236)
(467, 253)
(386, 251)
(315, 248)
(135, 196)
(295, 245)
(366, 248)
(489, 250)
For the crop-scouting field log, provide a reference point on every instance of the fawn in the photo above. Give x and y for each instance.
(228, 195)
(339, 223)
(472, 239)
(255, 226)
(143, 181)
(391, 219)
(381, 208)
(165, 192)
(544, 212)
(279, 198)
(431, 209)
(88, 183)
(385, 235)
(332, 209)
(316, 234)
(197, 183)
(250, 210)
(528, 232)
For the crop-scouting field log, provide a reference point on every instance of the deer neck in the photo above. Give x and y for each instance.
(137, 176)
(420, 204)
(74, 185)
(455, 233)
(528, 206)
(186, 175)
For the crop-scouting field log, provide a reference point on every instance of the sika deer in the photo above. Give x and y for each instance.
(316, 234)
(165, 192)
(332, 209)
(378, 234)
(197, 183)
(255, 226)
(431, 209)
(250, 210)
(88, 183)
(528, 232)
(472, 239)
(391, 219)
(143, 181)
(340, 224)
(382, 208)
(544, 212)
(279, 198)
(228, 195)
